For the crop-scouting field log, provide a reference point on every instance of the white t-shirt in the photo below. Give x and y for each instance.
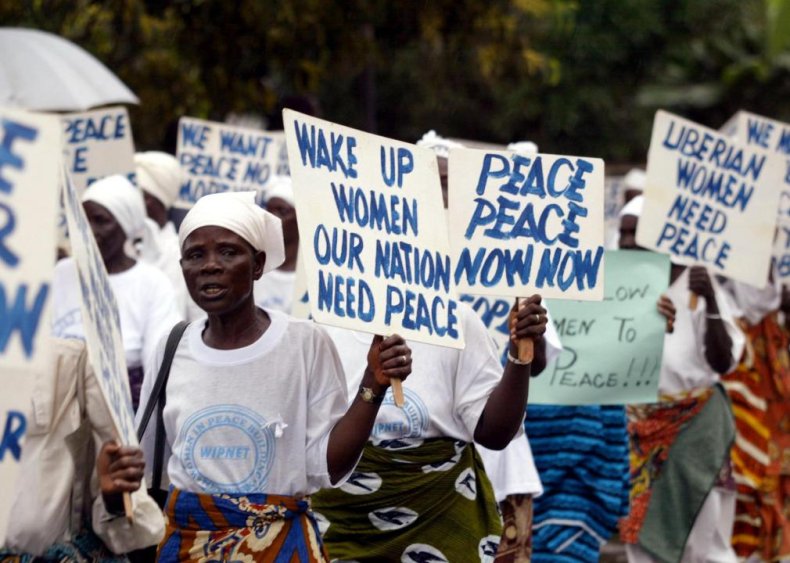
(446, 391)
(512, 471)
(752, 302)
(275, 290)
(683, 364)
(251, 420)
(146, 306)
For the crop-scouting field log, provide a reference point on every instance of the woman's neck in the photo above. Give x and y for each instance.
(119, 264)
(236, 329)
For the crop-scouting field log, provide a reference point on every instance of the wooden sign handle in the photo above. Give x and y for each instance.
(128, 508)
(526, 350)
(397, 392)
(693, 301)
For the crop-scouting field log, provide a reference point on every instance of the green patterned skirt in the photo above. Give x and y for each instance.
(414, 501)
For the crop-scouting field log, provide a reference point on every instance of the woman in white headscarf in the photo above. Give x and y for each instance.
(681, 499)
(256, 416)
(159, 176)
(275, 289)
(145, 299)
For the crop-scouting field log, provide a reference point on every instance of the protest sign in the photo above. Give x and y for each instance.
(494, 312)
(527, 224)
(709, 200)
(773, 137)
(782, 248)
(372, 236)
(97, 144)
(282, 168)
(301, 299)
(30, 159)
(217, 157)
(611, 349)
(100, 317)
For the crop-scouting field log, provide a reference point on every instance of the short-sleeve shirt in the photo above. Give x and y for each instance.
(254, 419)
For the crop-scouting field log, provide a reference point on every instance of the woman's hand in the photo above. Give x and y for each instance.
(527, 320)
(667, 309)
(387, 358)
(699, 282)
(120, 470)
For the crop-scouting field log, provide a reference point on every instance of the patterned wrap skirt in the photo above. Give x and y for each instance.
(412, 501)
(759, 389)
(250, 528)
(679, 452)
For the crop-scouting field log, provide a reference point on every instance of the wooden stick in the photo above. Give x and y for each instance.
(693, 301)
(397, 392)
(526, 350)
(127, 507)
(526, 346)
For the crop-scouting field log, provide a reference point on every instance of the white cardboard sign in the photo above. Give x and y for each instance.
(30, 157)
(100, 317)
(372, 233)
(527, 224)
(709, 200)
(217, 157)
(97, 144)
(774, 137)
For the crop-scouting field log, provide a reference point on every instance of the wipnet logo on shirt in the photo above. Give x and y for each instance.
(395, 427)
(227, 449)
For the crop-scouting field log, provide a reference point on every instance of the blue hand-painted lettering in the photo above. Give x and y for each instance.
(14, 430)
(313, 147)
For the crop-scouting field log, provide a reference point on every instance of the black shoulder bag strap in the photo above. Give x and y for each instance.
(157, 400)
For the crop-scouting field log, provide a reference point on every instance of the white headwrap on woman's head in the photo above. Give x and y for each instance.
(523, 147)
(635, 179)
(122, 200)
(282, 188)
(633, 207)
(159, 174)
(437, 144)
(238, 212)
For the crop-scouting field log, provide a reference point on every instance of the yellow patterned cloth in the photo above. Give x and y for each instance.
(760, 393)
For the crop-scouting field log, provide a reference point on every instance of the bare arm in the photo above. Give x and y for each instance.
(387, 358)
(501, 417)
(718, 344)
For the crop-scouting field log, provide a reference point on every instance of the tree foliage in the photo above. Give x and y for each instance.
(576, 76)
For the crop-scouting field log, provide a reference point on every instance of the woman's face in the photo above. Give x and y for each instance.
(287, 215)
(220, 268)
(108, 233)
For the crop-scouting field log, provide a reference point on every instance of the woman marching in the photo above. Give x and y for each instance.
(256, 417)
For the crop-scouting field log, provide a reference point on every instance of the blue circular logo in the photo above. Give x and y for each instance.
(409, 422)
(227, 449)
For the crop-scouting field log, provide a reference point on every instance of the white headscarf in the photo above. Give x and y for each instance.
(523, 147)
(122, 200)
(280, 187)
(437, 144)
(633, 207)
(238, 212)
(635, 179)
(159, 174)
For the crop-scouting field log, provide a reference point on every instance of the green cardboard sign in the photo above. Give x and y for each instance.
(612, 348)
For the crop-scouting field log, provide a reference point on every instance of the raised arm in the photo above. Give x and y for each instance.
(504, 410)
(387, 358)
(718, 344)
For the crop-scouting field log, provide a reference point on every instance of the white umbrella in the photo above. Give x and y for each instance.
(42, 71)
